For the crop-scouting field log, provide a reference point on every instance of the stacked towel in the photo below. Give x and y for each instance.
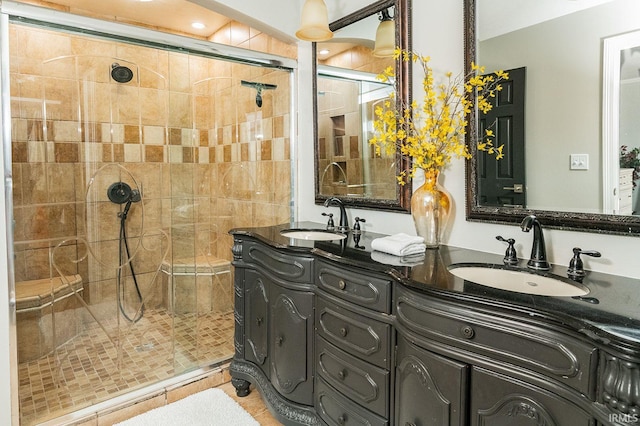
(389, 259)
(399, 244)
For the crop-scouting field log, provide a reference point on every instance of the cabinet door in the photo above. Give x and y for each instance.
(499, 400)
(291, 319)
(430, 389)
(255, 321)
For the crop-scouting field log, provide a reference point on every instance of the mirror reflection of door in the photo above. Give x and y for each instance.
(502, 182)
(629, 185)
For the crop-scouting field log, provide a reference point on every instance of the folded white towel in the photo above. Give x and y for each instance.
(390, 259)
(399, 244)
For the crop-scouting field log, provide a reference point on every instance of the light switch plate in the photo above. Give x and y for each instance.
(579, 161)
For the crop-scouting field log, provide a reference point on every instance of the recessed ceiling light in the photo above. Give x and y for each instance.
(324, 52)
(198, 25)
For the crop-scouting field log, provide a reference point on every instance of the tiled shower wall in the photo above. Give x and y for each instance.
(206, 158)
(184, 131)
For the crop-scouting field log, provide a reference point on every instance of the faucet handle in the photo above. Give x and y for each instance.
(356, 225)
(576, 268)
(510, 256)
(330, 224)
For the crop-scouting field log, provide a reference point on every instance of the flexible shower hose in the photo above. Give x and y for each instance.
(121, 253)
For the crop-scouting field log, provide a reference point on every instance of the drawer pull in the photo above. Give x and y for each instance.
(343, 331)
(279, 340)
(467, 332)
(342, 419)
(342, 284)
(259, 320)
(342, 374)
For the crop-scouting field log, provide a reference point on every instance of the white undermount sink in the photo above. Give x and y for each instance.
(312, 234)
(520, 281)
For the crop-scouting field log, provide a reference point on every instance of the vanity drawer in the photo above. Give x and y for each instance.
(549, 352)
(295, 269)
(336, 410)
(363, 383)
(356, 334)
(355, 286)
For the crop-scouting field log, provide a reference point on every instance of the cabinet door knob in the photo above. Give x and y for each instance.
(279, 340)
(342, 284)
(343, 331)
(467, 332)
(259, 320)
(342, 374)
(342, 419)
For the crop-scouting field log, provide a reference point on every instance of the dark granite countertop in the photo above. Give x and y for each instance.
(608, 314)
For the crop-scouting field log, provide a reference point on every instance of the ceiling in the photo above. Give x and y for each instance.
(174, 15)
(278, 18)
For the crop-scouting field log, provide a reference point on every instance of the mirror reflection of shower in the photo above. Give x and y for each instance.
(121, 193)
(334, 164)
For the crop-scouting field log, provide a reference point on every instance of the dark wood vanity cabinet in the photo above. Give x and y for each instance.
(500, 400)
(274, 313)
(278, 334)
(329, 343)
(354, 344)
(489, 369)
(429, 389)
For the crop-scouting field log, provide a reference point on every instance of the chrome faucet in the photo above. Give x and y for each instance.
(538, 258)
(344, 221)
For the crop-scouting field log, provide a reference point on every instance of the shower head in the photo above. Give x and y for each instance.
(259, 87)
(120, 73)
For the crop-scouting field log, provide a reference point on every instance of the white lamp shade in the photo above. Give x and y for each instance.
(314, 22)
(385, 39)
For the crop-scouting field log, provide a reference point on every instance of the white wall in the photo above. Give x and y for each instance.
(437, 31)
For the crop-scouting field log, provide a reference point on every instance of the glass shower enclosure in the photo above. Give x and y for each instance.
(130, 163)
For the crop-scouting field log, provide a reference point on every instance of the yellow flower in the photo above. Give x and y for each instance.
(432, 134)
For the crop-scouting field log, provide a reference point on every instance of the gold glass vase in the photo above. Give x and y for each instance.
(430, 209)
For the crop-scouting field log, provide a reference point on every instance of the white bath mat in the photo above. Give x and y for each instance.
(211, 407)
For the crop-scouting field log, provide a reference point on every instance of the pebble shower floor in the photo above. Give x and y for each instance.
(51, 388)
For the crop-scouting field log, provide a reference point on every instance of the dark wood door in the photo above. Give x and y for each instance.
(430, 389)
(499, 400)
(291, 344)
(256, 320)
(502, 182)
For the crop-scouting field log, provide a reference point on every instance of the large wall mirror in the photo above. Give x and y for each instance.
(563, 148)
(345, 93)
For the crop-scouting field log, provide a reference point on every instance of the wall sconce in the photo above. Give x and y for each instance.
(314, 22)
(385, 36)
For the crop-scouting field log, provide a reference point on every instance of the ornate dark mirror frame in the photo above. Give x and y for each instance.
(403, 76)
(586, 222)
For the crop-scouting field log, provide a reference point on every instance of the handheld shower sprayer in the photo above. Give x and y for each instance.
(121, 193)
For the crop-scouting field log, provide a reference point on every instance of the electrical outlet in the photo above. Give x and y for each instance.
(579, 161)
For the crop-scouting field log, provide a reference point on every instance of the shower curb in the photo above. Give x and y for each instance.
(133, 403)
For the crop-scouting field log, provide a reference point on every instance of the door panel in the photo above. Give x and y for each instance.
(502, 182)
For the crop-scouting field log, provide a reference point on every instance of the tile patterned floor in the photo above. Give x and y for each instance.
(110, 359)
